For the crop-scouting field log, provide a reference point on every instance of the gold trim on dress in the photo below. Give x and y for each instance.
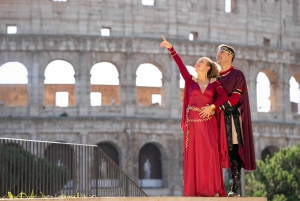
(188, 120)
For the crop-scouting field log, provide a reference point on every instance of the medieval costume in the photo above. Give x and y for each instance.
(238, 125)
(202, 154)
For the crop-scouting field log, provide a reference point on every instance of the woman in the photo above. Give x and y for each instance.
(202, 163)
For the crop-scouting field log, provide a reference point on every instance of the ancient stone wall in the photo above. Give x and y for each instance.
(263, 32)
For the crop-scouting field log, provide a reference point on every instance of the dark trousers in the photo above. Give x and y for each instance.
(234, 153)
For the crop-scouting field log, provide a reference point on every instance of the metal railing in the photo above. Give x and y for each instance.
(55, 169)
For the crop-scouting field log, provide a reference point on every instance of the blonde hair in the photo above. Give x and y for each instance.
(214, 71)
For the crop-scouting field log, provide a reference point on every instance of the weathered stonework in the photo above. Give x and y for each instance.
(70, 31)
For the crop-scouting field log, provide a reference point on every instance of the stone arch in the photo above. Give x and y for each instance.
(106, 168)
(149, 89)
(150, 166)
(13, 84)
(297, 77)
(192, 71)
(269, 150)
(271, 75)
(163, 162)
(59, 83)
(70, 57)
(294, 94)
(110, 150)
(274, 89)
(117, 59)
(263, 92)
(62, 155)
(106, 86)
(116, 139)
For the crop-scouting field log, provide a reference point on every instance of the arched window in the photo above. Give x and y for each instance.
(13, 84)
(270, 150)
(13, 73)
(104, 84)
(59, 84)
(230, 6)
(150, 167)
(105, 165)
(104, 73)
(149, 83)
(59, 72)
(110, 151)
(148, 75)
(62, 155)
(192, 71)
(294, 95)
(148, 2)
(263, 93)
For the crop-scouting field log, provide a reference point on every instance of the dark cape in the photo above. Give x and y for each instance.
(235, 79)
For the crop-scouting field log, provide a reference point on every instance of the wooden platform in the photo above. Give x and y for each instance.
(146, 199)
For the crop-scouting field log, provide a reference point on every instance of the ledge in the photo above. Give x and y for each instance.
(149, 199)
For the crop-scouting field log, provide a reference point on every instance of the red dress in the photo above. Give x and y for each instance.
(202, 155)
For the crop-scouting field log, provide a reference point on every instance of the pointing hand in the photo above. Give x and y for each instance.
(165, 43)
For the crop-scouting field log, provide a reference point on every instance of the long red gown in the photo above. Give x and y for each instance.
(202, 158)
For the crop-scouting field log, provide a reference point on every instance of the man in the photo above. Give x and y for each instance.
(237, 117)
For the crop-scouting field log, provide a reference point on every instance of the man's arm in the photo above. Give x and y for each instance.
(240, 83)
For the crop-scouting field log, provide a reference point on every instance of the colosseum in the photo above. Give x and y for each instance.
(76, 71)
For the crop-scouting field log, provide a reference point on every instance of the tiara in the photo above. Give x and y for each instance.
(226, 50)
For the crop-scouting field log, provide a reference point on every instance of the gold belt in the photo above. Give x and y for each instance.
(188, 120)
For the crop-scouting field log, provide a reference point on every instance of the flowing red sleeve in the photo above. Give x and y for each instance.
(188, 79)
(238, 88)
(237, 92)
(182, 68)
(235, 97)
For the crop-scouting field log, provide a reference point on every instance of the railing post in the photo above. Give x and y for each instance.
(127, 187)
(46, 172)
(243, 192)
(97, 168)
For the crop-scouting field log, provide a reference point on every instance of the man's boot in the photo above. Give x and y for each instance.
(235, 175)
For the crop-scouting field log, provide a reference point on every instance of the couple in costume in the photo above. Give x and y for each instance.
(216, 122)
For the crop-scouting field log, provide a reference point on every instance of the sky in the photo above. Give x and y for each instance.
(104, 73)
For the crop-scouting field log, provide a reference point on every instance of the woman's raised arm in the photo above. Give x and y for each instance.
(182, 68)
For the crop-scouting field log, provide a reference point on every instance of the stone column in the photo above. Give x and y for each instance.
(285, 103)
(128, 86)
(34, 87)
(87, 158)
(283, 94)
(131, 169)
(82, 84)
(251, 83)
(275, 96)
(41, 64)
(173, 98)
(176, 180)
